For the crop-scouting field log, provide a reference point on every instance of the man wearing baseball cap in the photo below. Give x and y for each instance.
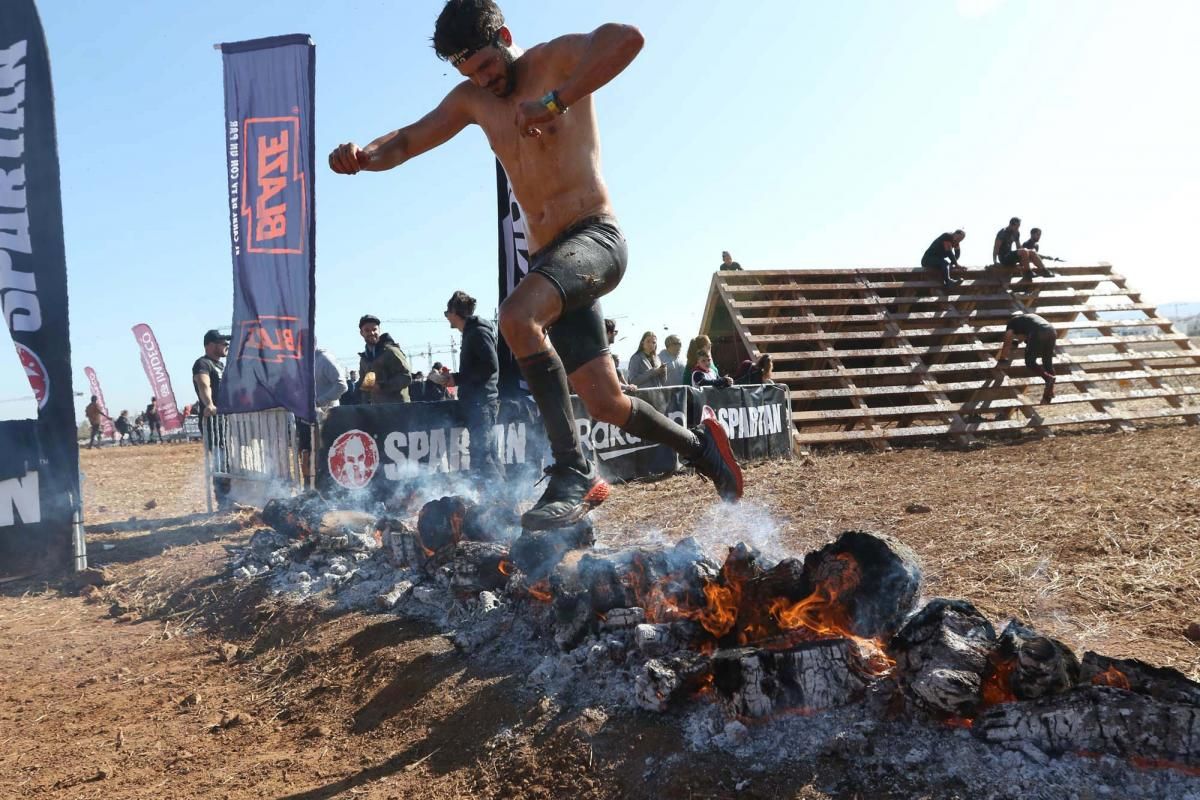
(206, 377)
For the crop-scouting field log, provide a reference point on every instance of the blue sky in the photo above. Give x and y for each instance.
(794, 134)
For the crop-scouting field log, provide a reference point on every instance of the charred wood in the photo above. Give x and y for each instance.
(663, 681)
(941, 656)
(477, 567)
(1161, 683)
(1098, 719)
(537, 553)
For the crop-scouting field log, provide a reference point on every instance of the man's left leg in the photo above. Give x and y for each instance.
(705, 447)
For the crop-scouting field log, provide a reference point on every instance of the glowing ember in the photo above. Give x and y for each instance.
(997, 686)
(1111, 677)
(540, 591)
(958, 722)
(504, 567)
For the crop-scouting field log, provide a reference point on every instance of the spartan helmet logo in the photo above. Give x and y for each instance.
(35, 371)
(353, 459)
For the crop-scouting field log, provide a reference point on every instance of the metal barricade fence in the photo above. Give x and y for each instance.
(259, 447)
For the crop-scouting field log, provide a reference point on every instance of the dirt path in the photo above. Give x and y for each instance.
(136, 690)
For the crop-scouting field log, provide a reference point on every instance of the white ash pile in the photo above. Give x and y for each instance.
(668, 629)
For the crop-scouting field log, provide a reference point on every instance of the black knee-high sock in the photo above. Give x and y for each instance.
(646, 422)
(548, 382)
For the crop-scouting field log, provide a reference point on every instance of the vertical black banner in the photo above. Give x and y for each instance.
(270, 162)
(39, 461)
(514, 265)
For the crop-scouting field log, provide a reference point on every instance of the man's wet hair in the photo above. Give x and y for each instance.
(1015, 221)
(465, 26)
(960, 232)
(462, 304)
(1033, 231)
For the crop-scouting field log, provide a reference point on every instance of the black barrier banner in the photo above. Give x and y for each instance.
(621, 457)
(375, 447)
(270, 162)
(514, 265)
(36, 506)
(757, 419)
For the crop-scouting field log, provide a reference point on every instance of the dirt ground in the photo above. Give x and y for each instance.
(170, 682)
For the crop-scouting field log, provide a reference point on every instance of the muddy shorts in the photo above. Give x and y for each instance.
(1009, 259)
(584, 262)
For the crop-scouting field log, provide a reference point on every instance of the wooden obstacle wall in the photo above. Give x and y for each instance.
(879, 355)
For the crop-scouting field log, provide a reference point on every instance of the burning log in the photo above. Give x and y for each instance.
(491, 522)
(1098, 719)
(941, 657)
(440, 523)
(752, 682)
(873, 578)
(537, 553)
(477, 567)
(1026, 666)
(662, 681)
(1161, 683)
(347, 530)
(295, 516)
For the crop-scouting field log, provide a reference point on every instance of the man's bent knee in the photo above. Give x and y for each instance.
(613, 409)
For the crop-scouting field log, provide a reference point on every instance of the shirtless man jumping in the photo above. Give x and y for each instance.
(535, 107)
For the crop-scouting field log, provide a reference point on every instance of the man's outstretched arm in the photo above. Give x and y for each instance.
(393, 149)
(596, 59)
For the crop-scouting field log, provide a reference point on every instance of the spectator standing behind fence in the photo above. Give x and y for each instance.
(702, 373)
(207, 371)
(756, 372)
(95, 414)
(610, 333)
(645, 369)
(153, 420)
(728, 264)
(435, 391)
(676, 366)
(329, 386)
(350, 396)
(384, 367)
(477, 380)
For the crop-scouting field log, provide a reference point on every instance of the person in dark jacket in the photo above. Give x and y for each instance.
(435, 391)
(351, 396)
(942, 257)
(1040, 337)
(477, 380)
(384, 367)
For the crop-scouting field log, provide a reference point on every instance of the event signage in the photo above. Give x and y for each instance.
(514, 265)
(106, 424)
(377, 447)
(757, 419)
(160, 382)
(270, 161)
(39, 459)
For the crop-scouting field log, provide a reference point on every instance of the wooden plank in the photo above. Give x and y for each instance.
(975, 347)
(882, 300)
(922, 316)
(812, 394)
(960, 330)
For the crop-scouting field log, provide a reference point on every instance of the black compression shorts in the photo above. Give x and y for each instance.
(1009, 259)
(584, 262)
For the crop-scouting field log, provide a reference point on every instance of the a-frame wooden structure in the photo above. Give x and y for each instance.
(879, 355)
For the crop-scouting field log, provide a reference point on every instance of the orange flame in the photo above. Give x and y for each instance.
(540, 591)
(958, 722)
(1111, 677)
(504, 567)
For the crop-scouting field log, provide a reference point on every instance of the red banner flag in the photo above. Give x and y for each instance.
(160, 381)
(106, 424)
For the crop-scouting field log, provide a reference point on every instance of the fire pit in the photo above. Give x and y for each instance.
(675, 628)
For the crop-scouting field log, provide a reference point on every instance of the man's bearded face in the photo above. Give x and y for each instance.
(492, 68)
